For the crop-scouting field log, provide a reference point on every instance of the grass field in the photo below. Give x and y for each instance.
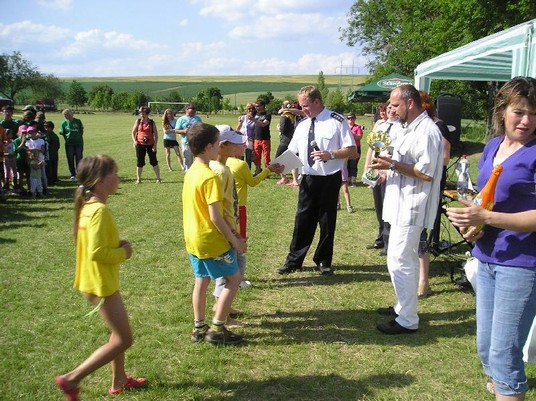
(308, 337)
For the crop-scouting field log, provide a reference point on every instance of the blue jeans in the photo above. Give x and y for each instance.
(74, 155)
(505, 309)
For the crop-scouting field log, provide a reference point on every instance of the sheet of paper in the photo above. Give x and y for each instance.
(289, 160)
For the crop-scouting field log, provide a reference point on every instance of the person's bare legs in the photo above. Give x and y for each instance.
(227, 296)
(294, 176)
(199, 297)
(115, 316)
(179, 157)
(168, 158)
(346, 194)
(157, 172)
(424, 268)
(139, 170)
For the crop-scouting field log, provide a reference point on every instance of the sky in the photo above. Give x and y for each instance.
(116, 38)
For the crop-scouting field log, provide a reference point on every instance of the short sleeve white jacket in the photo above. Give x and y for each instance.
(331, 133)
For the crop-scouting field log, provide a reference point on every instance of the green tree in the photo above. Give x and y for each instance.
(123, 101)
(321, 85)
(409, 33)
(266, 97)
(226, 104)
(76, 95)
(336, 101)
(399, 35)
(16, 74)
(140, 99)
(174, 96)
(47, 86)
(209, 100)
(100, 96)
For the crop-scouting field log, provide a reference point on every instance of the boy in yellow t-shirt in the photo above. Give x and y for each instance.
(228, 140)
(210, 241)
(244, 179)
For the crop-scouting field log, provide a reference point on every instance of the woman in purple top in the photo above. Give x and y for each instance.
(506, 248)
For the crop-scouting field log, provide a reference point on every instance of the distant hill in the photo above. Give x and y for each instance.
(240, 88)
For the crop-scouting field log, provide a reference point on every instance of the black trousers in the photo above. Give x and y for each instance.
(317, 205)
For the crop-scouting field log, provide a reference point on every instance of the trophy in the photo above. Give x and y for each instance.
(378, 141)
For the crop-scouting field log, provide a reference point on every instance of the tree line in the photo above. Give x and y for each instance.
(398, 35)
(18, 77)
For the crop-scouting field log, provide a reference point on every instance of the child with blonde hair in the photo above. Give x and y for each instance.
(99, 252)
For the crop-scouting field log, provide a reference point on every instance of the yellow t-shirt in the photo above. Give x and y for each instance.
(202, 188)
(244, 178)
(230, 201)
(98, 253)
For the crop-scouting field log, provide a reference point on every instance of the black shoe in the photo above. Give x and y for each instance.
(389, 311)
(383, 252)
(393, 327)
(287, 269)
(324, 269)
(376, 245)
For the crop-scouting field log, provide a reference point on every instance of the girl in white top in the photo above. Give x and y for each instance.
(170, 138)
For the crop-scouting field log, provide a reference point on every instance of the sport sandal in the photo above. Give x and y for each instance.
(131, 384)
(71, 394)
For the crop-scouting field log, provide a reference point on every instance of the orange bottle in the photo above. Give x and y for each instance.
(486, 197)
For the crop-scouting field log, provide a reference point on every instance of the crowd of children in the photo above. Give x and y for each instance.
(29, 153)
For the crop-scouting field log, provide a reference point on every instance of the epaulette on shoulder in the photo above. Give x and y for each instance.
(337, 117)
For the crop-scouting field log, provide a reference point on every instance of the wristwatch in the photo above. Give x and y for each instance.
(331, 155)
(392, 167)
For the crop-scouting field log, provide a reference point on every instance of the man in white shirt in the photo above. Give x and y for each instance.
(411, 198)
(323, 142)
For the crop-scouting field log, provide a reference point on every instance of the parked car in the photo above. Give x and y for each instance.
(4, 101)
(45, 105)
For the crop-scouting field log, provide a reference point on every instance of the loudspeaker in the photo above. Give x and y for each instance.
(449, 109)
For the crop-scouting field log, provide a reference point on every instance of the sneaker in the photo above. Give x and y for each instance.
(245, 284)
(199, 333)
(350, 209)
(73, 178)
(223, 337)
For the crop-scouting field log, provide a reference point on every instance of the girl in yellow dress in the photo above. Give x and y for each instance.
(99, 252)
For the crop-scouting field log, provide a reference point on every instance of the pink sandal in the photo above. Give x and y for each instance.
(131, 384)
(71, 394)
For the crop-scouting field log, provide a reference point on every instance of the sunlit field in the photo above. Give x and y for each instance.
(307, 337)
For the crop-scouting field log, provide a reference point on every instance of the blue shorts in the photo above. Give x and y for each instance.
(220, 266)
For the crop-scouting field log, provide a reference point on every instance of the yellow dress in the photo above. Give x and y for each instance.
(98, 254)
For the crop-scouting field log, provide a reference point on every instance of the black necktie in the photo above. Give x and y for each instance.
(311, 139)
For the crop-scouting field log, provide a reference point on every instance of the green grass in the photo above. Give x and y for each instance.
(308, 337)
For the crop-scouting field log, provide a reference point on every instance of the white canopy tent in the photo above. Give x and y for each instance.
(497, 57)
